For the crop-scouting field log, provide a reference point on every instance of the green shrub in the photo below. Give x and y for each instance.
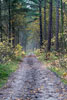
(63, 62)
(5, 52)
(8, 53)
(18, 51)
(37, 52)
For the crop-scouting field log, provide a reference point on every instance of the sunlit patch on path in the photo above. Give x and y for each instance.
(33, 82)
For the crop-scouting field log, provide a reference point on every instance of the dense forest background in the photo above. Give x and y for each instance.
(38, 26)
(34, 22)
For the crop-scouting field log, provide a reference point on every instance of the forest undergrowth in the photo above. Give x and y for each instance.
(9, 60)
(55, 61)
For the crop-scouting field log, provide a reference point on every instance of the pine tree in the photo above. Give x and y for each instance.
(45, 34)
(62, 22)
(0, 23)
(40, 19)
(36, 6)
(57, 24)
(50, 26)
(9, 10)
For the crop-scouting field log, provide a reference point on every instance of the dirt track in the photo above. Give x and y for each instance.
(32, 81)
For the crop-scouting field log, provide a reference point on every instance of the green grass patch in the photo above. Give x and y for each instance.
(6, 70)
(64, 81)
(48, 57)
(57, 61)
(60, 72)
(41, 57)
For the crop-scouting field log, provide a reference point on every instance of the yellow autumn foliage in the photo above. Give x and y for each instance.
(18, 51)
(5, 52)
(37, 52)
(57, 69)
(64, 74)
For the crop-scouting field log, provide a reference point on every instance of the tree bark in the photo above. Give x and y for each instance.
(57, 24)
(9, 9)
(62, 22)
(50, 26)
(45, 34)
(13, 34)
(0, 23)
(40, 18)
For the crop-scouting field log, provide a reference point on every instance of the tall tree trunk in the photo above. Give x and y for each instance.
(57, 24)
(0, 23)
(45, 34)
(62, 16)
(18, 35)
(50, 26)
(13, 34)
(40, 12)
(9, 9)
(62, 22)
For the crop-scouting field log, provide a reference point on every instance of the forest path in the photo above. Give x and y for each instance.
(33, 81)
